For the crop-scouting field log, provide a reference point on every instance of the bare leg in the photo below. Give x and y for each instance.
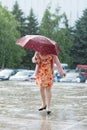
(42, 92)
(48, 96)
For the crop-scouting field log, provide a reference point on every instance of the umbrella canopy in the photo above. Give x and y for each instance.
(39, 43)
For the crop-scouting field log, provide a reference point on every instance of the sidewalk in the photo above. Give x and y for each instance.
(19, 103)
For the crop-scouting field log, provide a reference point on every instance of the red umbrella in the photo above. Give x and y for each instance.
(39, 43)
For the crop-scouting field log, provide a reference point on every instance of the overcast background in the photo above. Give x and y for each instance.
(73, 8)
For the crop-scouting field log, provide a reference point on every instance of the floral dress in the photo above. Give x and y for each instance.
(45, 75)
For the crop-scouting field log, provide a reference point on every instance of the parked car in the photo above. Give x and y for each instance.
(73, 77)
(57, 76)
(6, 73)
(64, 66)
(22, 75)
(32, 78)
(82, 69)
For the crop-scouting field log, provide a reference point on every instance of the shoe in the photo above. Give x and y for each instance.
(41, 109)
(48, 112)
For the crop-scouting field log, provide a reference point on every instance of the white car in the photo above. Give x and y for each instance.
(64, 66)
(32, 78)
(22, 75)
(73, 77)
(6, 73)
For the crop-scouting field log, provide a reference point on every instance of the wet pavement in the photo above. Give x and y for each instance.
(19, 103)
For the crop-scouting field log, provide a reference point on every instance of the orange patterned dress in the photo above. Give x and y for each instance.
(45, 75)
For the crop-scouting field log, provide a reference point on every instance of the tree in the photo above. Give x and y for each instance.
(10, 53)
(32, 24)
(32, 28)
(65, 38)
(51, 27)
(50, 22)
(79, 48)
(19, 15)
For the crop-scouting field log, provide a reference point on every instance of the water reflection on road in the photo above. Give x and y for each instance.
(19, 103)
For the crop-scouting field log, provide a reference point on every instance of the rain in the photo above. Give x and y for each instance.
(20, 99)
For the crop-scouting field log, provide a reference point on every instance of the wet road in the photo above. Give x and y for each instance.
(19, 103)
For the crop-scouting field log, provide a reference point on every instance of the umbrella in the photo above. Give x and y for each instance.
(39, 43)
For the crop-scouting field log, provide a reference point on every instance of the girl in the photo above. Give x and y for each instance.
(44, 73)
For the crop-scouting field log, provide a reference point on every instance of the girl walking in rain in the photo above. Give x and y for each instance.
(45, 57)
(44, 73)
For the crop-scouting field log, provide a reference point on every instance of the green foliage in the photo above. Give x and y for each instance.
(65, 38)
(19, 16)
(27, 60)
(14, 25)
(50, 27)
(79, 48)
(10, 53)
(27, 26)
(50, 22)
(32, 24)
(32, 28)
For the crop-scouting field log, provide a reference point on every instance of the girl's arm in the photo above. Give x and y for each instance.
(35, 60)
(59, 66)
(36, 70)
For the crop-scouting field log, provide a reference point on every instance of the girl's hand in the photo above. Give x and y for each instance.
(63, 74)
(33, 60)
(36, 58)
